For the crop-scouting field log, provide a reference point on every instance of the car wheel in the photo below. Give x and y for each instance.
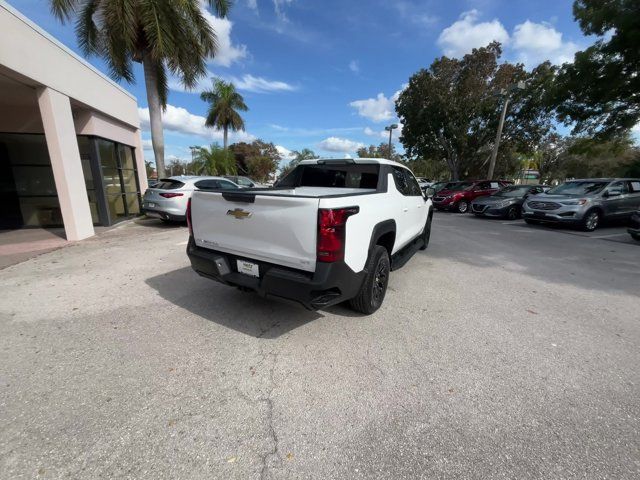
(512, 213)
(374, 287)
(426, 235)
(635, 236)
(591, 221)
(531, 222)
(463, 206)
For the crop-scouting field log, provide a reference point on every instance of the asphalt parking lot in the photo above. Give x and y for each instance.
(503, 351)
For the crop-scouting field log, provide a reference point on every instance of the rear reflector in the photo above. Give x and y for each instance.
(331, 233)
(171, 195)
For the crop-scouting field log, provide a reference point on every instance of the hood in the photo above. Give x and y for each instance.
(446, 193)
(555, 198)
(492, 200)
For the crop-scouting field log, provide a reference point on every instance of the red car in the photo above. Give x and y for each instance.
(457, 196)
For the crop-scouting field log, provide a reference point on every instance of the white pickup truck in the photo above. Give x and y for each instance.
(330, 231)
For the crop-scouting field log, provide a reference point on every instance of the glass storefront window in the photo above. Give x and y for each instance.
(129, 181)
(133, 204)
(107, 151)
(126, 157)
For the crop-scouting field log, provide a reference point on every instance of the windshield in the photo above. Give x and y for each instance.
(578, 188)
(244, 182)
(513, 191)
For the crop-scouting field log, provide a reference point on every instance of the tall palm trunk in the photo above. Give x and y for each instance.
(224, 138)
(155, 112)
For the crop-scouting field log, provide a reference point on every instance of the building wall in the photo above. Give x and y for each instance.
(37, 56)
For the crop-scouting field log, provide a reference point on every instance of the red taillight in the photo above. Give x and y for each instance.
(171, 195)
(331, 233)
(189, 217)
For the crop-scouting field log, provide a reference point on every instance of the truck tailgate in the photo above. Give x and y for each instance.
(275, 229)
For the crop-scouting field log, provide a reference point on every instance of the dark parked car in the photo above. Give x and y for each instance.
(634, 227)
(457, 196)
(506, 203)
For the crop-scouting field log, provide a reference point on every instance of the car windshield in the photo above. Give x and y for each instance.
(578, 188)
(244, 182)
(513, 191)
(457, 186)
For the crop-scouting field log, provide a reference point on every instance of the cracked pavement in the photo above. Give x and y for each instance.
(503, 351)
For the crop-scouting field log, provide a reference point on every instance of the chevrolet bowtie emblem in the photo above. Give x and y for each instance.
(239, 213)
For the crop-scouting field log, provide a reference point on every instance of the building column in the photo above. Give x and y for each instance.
(62, 144)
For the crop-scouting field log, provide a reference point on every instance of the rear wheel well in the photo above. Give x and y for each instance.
(387, 241)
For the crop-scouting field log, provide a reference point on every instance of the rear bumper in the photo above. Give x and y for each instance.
(164, 215)
(330, 284)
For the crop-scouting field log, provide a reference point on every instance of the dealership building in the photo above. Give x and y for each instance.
(70, 147)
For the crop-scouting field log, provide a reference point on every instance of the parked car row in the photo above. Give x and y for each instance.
(585, 203)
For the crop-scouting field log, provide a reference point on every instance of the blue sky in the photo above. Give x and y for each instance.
(323, 74)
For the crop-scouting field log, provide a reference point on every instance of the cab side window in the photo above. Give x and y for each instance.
(412, 184)
(400, 180)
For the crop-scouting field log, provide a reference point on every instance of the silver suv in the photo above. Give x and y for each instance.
(168, 199)
(585, 203)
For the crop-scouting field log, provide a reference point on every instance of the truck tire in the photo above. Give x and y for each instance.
(374, 286)
(426, 234)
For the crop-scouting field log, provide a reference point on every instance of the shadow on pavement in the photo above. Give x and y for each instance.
(229, 307)
(157, 223)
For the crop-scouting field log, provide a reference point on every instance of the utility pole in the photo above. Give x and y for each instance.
(390, 129)
(494, 154)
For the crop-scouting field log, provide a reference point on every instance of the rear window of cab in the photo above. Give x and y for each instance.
(363, 176)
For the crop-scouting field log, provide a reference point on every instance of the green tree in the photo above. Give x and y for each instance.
(599, 93)
(298, 156)
(214, 160)
(224, 103)
(257, 159)
(149, 168)
(162, 35)
(450, 112)
(381, 151)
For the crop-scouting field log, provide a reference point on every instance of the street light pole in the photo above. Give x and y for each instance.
(494, 154)
(390, 129)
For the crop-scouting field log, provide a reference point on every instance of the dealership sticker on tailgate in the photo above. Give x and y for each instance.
(248, 268)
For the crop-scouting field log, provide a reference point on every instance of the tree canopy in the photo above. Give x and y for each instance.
(257, 159)
(224, 104)
(599, 93)
(450, 112)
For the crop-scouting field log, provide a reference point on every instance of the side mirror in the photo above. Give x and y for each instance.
(614, 192)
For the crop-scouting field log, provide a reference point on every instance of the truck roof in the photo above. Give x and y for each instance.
(381, 161)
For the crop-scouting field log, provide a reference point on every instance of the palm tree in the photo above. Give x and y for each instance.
(224, 101)
(163, 35)
(214, 160)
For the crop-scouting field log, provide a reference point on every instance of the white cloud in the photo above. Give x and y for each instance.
(415, 13)
(530, 43)
(252, 4)
(227, 52)
(378, 109)
(537, 42)
(354, 66)
(246, 83)
(180, 120)
(147, 145)
(250, 83)
(397, 132)
(465, 34)
(285, 153)
(278, 8)
(337, 144)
